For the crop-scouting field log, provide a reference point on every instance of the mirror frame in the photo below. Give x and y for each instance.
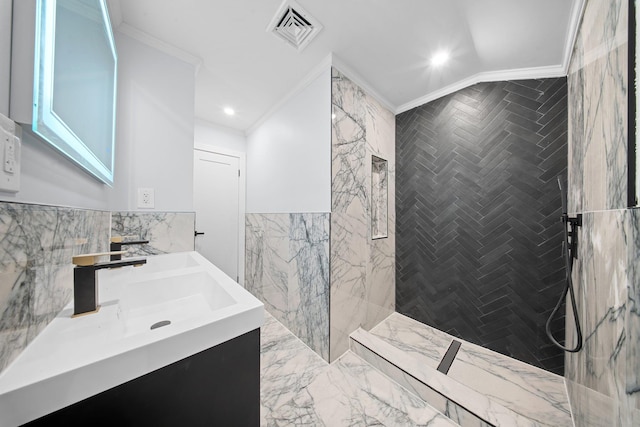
(46, 123)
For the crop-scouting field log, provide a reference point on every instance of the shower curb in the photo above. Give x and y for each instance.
(460, 403)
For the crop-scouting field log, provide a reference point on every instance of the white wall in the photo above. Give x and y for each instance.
(289, 154)
(209, 136)
(5, 54)
(154, 138)
(46, 177)
(155, 128)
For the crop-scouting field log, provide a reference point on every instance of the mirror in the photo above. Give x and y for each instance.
(75, 82)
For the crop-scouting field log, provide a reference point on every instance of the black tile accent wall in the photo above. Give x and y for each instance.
(479, 236)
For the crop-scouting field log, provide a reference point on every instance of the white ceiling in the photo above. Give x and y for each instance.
(385, 45)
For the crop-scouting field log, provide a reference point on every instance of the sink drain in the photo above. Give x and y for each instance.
(160, 324)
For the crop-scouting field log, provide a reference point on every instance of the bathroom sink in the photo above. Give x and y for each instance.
(174, 307)
(170, 300)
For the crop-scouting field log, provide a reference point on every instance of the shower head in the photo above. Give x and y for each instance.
(563, 195)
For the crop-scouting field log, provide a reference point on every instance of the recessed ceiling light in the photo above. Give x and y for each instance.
(229, 111)
(440, 58)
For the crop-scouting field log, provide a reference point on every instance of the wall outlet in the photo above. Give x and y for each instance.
(9, 155)
(146, 198)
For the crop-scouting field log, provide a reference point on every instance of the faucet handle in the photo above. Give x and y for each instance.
(84, 260)
(120, 239)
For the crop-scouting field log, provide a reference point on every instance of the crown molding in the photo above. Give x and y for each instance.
(489, 76)
(160, 45)
(572, 33)
(356, 78)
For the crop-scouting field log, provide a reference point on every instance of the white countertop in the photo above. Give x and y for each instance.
(75, 358)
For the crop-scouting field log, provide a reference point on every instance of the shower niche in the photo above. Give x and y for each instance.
(379, 198)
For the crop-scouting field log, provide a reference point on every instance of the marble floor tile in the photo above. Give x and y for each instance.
(352, 393)
(300, 388)
(287, 365)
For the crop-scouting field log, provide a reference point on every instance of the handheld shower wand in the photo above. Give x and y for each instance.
(569, 253)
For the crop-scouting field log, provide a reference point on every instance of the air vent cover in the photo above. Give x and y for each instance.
(294, 25)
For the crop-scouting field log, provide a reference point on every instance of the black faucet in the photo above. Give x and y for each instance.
(85, 283)
(117, 243)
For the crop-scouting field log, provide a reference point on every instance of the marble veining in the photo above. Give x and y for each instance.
(400, 331)
(525, 389)
(632, 388)
(598, 109)
(299, 388)
(287, 268)
(167, 232)
(36, 275)
(287, 365)
(603, 379)
(386, 363)
(362, 269)
(471, 407)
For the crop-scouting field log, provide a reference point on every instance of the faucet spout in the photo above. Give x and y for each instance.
(85, 283)
(117, 242)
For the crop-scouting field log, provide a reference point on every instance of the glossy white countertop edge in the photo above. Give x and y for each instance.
(57, 370)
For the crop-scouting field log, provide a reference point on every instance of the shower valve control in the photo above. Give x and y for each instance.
(572, 233)
(575, 221)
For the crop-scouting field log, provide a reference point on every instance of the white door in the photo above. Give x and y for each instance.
(216, 199)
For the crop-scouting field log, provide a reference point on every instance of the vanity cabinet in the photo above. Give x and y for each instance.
(216, 387)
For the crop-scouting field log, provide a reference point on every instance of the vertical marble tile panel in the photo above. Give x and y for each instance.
(598, 109)
(287, 267)
(633, 316)
(381, 289)
(308, 297)
(36, 274)
(602, 378)
(576, 137)
(267, 256)
(600, 281)
(362, 269)
(349, 184)
(167, 232)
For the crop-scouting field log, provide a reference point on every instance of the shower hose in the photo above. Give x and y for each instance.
(568, 254)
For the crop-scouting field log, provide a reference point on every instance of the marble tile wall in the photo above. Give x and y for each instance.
(362, 270)
(37, 243)
(603, 379)
(166, 232)
(287, 268)
(36, 274)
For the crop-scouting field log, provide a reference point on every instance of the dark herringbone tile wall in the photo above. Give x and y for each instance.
(478, 215)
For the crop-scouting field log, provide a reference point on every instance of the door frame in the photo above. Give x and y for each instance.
(242, 165)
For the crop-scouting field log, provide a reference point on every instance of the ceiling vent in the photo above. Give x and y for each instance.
(294, 25)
